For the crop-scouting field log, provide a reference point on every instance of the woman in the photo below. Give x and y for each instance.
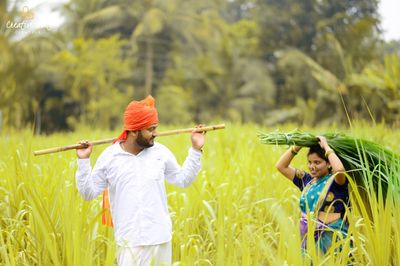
(324, 192)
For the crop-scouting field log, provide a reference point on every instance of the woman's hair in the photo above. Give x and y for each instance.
(319, 151)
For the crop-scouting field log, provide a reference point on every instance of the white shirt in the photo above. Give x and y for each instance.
(136, 189)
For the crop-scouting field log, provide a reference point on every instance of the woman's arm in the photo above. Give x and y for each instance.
(336, 163)
(283, 164)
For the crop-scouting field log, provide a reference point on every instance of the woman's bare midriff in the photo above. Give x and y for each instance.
(328, 218)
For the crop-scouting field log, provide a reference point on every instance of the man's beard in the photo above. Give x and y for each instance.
(143, 142)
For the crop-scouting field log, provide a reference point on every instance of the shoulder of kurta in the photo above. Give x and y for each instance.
(160, 147)
(108, 153)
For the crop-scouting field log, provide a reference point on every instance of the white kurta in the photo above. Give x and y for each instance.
(136, 189)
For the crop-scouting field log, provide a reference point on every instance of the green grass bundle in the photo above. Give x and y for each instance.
(371, 165)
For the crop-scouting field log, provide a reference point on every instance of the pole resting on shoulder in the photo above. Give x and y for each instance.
(105, 141)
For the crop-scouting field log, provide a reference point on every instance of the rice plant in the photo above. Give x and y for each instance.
(239, 211)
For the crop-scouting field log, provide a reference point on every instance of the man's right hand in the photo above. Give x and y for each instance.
(84, 153)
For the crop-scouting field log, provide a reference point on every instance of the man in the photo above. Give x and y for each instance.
(134, 169)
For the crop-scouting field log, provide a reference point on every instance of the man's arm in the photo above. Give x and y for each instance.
(90, 183)
(185, 175)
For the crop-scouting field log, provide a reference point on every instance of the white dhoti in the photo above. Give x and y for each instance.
(145, 255)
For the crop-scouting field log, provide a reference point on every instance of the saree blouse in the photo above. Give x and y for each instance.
(335, 200)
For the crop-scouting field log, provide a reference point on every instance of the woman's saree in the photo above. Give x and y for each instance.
(311, 200)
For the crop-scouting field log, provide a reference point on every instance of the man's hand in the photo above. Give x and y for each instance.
(84, 153)
(198, 138)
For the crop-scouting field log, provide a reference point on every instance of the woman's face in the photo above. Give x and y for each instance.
(318, 166)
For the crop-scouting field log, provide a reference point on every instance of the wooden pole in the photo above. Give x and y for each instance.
(105, 141)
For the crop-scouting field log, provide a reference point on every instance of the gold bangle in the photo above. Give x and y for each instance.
(293, 151)
(328, 152)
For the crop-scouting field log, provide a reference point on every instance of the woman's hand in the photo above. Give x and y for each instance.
(295, 149)
(333, 159)
(323, 143)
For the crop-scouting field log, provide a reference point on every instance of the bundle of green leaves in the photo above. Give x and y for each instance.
(371, 165)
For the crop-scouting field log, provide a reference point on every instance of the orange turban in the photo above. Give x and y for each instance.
(139, 115)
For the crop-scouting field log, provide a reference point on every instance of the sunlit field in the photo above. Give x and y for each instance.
(239, 211)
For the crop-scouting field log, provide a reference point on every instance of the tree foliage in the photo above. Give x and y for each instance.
(91, 72)
(258, 61)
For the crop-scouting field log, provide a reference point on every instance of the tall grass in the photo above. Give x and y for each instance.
(239, 211)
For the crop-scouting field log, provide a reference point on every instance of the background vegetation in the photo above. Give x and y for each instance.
(262, 61)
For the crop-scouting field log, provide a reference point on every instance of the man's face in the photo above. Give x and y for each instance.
(145, 137)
